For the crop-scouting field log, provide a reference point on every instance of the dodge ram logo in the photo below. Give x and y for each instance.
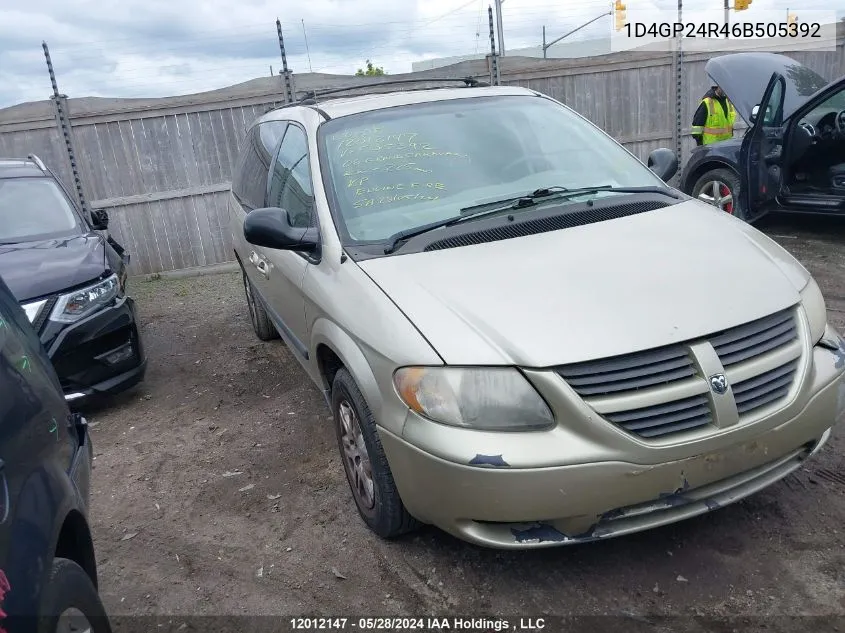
(719, 383)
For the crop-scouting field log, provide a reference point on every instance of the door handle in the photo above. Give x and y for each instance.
(263, 268)
(254, 259)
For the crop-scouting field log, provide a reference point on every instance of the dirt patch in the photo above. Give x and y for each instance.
(217, 490)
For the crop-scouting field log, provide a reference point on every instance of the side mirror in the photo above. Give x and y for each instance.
(664, 163)
(754, 112)
(99, 219)
(270, 227)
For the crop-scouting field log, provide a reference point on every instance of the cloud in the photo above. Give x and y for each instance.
(157, 48)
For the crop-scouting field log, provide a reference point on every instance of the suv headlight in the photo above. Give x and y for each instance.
(80, 303)
(494, 399)
(813, 303)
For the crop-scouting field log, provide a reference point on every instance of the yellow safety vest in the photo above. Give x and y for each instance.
(718, 127)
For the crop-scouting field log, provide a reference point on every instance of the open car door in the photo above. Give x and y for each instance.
(761, 154)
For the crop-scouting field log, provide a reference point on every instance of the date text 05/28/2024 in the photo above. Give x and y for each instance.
(741, 30)
(424, 625)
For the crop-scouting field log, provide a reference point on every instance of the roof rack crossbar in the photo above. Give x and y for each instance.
(469, 82)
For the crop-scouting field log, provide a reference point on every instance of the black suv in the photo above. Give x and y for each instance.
(70, 280)
(48, 569)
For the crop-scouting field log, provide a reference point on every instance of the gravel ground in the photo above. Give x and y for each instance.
(217, 490)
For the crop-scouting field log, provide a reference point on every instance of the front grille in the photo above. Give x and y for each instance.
(764, 389)
(632, 371)
(672, 417)
(673, 397)
(755, 338)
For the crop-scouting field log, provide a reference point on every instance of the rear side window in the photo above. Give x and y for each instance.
(290, 179)
(249, 183)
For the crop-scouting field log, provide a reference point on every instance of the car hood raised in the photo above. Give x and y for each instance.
(592, 291)
(745, 76)
(35, 269)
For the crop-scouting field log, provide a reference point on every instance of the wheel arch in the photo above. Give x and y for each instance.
(710, 164)
(333, 349)
(75, 543)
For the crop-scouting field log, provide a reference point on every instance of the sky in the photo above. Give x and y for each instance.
(155, 48)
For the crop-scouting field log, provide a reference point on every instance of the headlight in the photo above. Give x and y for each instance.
(80, 303)
(813, 303)
(495, 399)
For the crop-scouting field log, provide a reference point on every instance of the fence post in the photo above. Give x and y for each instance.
(494, 58)
(66, 132)
(288, 89)
(679, 92)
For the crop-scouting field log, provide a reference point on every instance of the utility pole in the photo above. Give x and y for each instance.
(544, 41)
(499, 27)
(727, 18)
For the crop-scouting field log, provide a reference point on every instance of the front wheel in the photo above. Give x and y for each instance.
(70, 602)
(720, 188)
(365, 463)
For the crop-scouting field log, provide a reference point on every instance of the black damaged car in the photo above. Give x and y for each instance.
(70, 281)
(791, 159)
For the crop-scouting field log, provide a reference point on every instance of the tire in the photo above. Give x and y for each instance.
(261, 323)
(69, 588)
(721, 178)
(383, 510)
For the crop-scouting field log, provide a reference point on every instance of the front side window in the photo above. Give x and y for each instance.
(290, 180)
(249, 183)
(33, 209)
(401, 168)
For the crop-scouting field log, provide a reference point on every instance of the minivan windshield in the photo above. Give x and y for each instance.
(33, 209)
(400, 168)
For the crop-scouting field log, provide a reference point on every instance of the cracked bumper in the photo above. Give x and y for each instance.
(502, 507)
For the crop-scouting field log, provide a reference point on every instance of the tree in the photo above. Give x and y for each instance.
(372, 71)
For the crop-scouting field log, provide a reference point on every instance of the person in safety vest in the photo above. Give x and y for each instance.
(714, 119)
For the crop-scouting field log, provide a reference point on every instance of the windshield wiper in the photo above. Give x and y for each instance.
(563, 192)
(554, 192)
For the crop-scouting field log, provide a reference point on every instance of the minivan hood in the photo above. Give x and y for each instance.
(745, 76)
(35, 269)
(592, 291)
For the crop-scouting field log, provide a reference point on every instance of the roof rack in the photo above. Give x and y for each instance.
(311, 96)
(37, 161)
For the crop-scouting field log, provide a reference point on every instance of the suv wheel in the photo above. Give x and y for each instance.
(257, 314)
(70, 601)
(720, 188)
(365, 463)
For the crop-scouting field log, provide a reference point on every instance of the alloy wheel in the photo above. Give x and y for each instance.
(356, 459)
(73, 621)
(718, 194)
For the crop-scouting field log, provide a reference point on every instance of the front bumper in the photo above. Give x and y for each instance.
(487, 501)
(101, 354)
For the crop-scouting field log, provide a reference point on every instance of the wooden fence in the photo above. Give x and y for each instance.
(162, 166)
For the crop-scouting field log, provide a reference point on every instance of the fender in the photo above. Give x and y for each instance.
(327, 333)
(707, 164)
(35, 529)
